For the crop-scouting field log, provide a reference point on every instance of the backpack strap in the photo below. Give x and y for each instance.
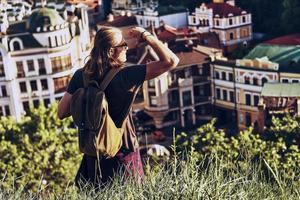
(108, 77)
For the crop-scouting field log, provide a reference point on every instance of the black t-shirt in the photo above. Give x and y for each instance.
(119, 94)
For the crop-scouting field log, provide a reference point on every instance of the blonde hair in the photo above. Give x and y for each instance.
(100, 59)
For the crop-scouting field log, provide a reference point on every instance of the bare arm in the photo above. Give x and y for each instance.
(167, 59)
(63, 110)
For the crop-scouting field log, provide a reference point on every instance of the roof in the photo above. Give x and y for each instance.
(287, 56)
(281, 90)
(43, 17)
(293, 39)
(189, 58)
(224, 9)
(17, 27)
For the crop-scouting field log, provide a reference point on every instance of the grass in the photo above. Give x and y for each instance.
(182, 179)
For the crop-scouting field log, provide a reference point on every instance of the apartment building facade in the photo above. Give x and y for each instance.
(231, 23)
(38, 55)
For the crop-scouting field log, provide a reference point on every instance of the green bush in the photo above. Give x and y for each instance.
(277, 148)
(40, 151)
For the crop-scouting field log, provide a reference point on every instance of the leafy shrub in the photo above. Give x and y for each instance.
(40, 151)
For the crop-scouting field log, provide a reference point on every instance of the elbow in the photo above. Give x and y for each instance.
(60, 115)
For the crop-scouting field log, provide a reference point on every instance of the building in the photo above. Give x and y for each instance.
(237, 85)
(120, 7)
(231, 23)
(180, 97)
(38, 54)
(97, 9)
(158, 15)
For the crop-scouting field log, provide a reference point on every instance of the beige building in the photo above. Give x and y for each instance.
(238, 85)
(38, 55)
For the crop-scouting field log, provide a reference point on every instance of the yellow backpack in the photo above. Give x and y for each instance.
(98, 134)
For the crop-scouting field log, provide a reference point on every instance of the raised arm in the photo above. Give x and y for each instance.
(167, 59)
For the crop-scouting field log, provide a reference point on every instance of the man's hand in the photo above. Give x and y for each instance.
(137, 32)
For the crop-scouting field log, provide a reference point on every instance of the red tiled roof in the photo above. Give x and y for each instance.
(223, 9)
(170, 33)
(189, 58)
(293, 39)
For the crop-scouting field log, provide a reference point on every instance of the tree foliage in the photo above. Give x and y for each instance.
(278, 146)
(40, 151)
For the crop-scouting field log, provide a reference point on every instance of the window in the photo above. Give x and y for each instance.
(217, 22)
(263, 81)
(231, 96)
(61, 63)
(60, 84)
(2, 71)
(230, 76)
(295, 81)
(42, 68)
(230, 22)
(187, 73)
(247, 80)
(224, 76)
(248, 99)
(46, 102)
(231, 36)
(20, 69)
(26, 106)
(218, 91)
(151, 83)
(44, 84)
(152, 99)
(255, 81)
(187, 100)
(248, 119)
(16, 45)
(36, 103)
(23, 87)
(30, 65)
(33, 85)
(1, 111)
(217, 75)
(7, 110)
(4, 91)
(285, 80)
(256, 100)
(244, 19)
(225, 95)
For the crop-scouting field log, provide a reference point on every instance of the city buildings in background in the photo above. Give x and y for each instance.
(40, 49)
(231, 23)
(240, 94)
(44, 42)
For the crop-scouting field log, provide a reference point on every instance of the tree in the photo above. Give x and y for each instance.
(291, 16)
(40, 151)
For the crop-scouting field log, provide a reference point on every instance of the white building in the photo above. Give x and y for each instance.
(233, 25)
(132, 6)
(155, 16)
(38, 54)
